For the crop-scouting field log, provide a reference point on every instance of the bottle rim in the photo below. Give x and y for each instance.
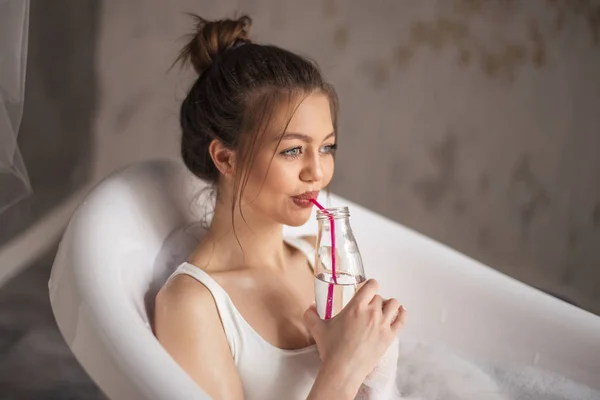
(334, 212)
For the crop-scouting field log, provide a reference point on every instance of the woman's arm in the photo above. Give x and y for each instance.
(188, 326)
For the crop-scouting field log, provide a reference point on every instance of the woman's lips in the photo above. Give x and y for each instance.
(303, 200)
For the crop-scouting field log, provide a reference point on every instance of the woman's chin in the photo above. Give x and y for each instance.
(297, 218)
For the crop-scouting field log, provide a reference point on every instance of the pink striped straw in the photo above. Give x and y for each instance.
(329, 306)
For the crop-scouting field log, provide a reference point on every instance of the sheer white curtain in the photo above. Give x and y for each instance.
(14, 25)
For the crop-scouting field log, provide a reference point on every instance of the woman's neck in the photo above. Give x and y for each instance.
(255, 243)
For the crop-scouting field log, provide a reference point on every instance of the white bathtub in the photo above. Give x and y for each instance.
(131, 230)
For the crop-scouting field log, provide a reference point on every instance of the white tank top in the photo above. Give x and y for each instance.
(267, 372)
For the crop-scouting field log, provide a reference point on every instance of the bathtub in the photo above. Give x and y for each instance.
(138, 224)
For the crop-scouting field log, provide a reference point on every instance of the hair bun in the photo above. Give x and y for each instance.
(211, 39)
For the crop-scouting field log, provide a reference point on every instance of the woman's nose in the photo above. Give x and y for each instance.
(312, 171)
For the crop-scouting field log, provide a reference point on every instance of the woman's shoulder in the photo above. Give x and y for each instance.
(185, 293)
(185, 304)
(187, 323)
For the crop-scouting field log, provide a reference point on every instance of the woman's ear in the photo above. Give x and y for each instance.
(222, 157)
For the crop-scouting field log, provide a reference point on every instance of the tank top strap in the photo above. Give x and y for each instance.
(225, 307)
(306, 248)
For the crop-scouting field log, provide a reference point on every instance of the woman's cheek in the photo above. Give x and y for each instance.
(329, 171)
(280, 175)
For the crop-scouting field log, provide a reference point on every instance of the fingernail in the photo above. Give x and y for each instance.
(403, 308)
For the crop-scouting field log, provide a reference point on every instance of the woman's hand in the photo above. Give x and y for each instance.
(354, 341)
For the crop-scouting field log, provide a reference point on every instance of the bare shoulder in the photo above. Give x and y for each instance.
(184, 300)
(183, 289)
(187, 324)
(311, 239)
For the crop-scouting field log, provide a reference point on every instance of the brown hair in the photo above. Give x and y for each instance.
(240, 87)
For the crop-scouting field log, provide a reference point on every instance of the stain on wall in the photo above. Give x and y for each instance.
(497, 56)
(527, 193)
(432, 190)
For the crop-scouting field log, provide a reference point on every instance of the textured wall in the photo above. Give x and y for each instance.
(474, 122)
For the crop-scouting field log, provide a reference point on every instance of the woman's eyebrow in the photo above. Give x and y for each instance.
(301, 136)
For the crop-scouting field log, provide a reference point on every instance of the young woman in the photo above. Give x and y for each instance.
(260, 124)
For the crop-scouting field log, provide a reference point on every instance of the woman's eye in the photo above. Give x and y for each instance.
(330, 148)
(292, 153)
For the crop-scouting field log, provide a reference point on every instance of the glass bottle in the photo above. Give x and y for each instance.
(339, 271)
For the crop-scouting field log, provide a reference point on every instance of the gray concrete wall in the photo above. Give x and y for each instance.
(474, 122)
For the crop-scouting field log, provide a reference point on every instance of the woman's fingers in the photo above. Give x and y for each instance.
(400, 320)
(377, 302)
(390, 310)
(366, 293)
(393, 313)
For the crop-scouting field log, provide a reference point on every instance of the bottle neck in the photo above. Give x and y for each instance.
(336, 213)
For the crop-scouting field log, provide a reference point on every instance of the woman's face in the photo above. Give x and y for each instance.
(287, 173)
